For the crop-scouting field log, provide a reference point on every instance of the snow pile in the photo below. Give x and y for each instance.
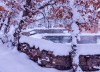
(39, 36)
(57, 48)
(88, 49)
(98, 41)
(55, 34)
(13, 61)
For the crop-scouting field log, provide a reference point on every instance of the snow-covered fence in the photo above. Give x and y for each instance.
(59, 39)
(49, 30)
(84, 39)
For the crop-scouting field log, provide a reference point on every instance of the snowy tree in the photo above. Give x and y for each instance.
(55, 13)
(75, 15)
(11, 12)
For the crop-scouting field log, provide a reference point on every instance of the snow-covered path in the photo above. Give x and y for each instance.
(13, 61)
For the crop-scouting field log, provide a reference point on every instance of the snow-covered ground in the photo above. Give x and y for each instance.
(13, 61)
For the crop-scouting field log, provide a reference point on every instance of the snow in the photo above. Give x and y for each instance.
(74, 33)
(90, 34)
(81, 49)
(55, 34)
(64, 34)
(88, 49)
(19, 16)
(79, 69)
(98, 41)
(76, 15)
(12, 30)
(27, 30)
(98, 9)
(39, 28)
(39, 36)
(91, 7)
(2, 4)
(14, 61)
(75, 37)
(39, 16)
(57, 48)
(75, 28)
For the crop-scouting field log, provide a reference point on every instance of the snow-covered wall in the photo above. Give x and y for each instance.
(58, 48)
